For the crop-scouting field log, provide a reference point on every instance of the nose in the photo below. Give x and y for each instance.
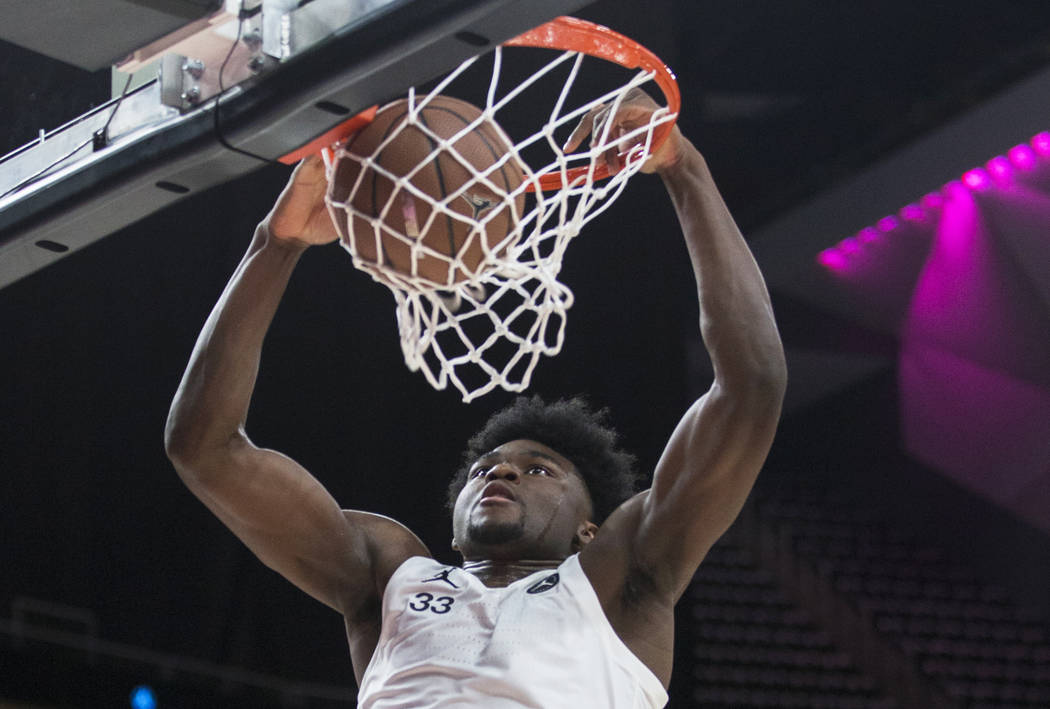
(502, 471)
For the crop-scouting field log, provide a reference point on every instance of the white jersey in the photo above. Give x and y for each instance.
(449, 641)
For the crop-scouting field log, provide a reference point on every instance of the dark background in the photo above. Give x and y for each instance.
(784, 99)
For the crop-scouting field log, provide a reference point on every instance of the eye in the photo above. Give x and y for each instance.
(479, 471)
(537, 470)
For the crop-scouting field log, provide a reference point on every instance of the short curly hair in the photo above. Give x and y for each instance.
(574, 430)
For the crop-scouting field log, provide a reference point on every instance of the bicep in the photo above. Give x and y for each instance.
(288, 520)
(704, 477)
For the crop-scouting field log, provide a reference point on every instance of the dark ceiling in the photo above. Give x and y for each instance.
(784, 97)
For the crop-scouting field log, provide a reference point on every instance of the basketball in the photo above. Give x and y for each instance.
(390, 226)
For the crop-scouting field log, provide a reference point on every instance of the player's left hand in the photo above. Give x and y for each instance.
(300, 214)
(634, 111)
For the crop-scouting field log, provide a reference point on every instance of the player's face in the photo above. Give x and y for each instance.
(522, 500)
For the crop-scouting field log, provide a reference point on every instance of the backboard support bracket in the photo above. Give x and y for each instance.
(159, 153)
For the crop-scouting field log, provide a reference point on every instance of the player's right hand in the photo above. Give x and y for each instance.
(634, 111)
(300, 214)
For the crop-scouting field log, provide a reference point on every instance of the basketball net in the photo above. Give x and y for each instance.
(490, 328)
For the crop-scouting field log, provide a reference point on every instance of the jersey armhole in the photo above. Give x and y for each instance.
(647, 679)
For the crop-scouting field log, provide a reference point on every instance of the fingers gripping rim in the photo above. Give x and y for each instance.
(566, 34)
(575, 35)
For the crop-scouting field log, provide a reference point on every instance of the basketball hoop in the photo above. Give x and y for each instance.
(489, 327)
(574, 35)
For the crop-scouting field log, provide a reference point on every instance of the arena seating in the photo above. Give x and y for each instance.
(754, 648)
(914, 617)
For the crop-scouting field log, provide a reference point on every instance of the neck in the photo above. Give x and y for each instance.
(497, 574)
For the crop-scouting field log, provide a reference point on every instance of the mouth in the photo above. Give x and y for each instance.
(496, 492)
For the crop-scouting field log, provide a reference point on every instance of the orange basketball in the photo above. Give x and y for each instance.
(453, 242)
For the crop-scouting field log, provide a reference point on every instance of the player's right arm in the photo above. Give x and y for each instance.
(281, 512)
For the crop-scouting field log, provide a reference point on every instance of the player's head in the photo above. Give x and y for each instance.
(575, 445)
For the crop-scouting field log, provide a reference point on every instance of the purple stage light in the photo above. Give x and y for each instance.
(955, 234)
(913, 213)
(887, 224)
(956, 189)
(932, 201)
(868, 235)
(931, 206)
(1023, 157)
(1041, 143)
(834, 259)
(976, 179)
(999, 167)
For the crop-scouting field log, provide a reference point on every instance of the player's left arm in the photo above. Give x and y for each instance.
(715, 453)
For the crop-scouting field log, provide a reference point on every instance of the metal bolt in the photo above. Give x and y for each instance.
(192, 95)
(256, 64)
(254, 38)
(193, 67)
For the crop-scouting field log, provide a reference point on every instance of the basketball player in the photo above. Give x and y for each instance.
(555, 604)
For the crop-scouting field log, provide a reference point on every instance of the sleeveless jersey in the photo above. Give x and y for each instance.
(543, 642)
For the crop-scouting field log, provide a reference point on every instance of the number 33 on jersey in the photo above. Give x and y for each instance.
(424, 602)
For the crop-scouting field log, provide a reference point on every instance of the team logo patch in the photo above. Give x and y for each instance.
(443, 576)
(543, 584)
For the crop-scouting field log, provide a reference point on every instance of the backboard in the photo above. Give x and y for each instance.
(239, 87)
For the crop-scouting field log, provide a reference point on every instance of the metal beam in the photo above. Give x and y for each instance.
(405, 43)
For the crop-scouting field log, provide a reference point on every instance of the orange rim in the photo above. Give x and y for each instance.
(576, 35)
(336, 135)
(565, 34)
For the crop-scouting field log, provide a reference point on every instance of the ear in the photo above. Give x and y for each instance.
(584, 534)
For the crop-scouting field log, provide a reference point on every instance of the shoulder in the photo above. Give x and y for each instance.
(617, 532)
(622, 569)
(388, 539)
(613, 562)
(382, 525)
(389, 542)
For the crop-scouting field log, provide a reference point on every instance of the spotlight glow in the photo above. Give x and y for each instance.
(1023, 157)
(833, 259)
(976, 179)
(996, 173)
(142, 697)
(887, 224)
(1041, 143)
(956, 189)
(933, 201)
(867, 235)
(913, 213)
(999, 167)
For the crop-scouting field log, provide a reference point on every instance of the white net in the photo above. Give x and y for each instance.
(474, 263)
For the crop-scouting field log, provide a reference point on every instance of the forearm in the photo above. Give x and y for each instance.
(211, 403)
(736, 318)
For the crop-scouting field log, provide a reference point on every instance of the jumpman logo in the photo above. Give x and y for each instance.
(478, 203)
(443, 576)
